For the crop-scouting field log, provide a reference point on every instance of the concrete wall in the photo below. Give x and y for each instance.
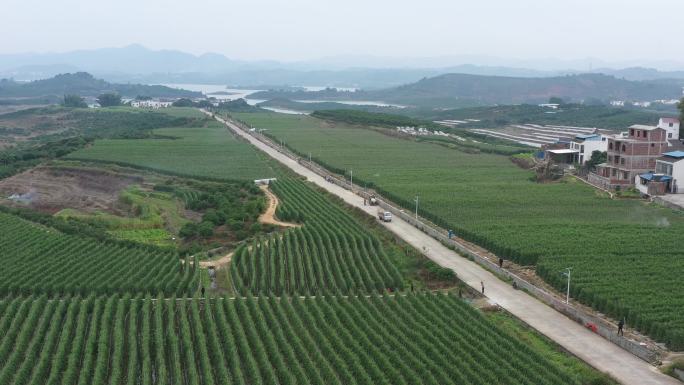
(678, 177)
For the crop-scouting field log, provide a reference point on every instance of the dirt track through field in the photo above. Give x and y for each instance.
(218, 263)
(268, 217)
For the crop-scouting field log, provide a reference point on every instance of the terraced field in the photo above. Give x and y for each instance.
(418, 339)
(626, 255)
(38, 259)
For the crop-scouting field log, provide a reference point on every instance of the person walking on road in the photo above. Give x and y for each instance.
(621, 325)
(482, 284)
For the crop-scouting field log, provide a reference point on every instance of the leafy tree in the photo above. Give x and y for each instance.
(143, 97)
(74, 101)
(188, 230)
(183, 102)
(680, 105)
(204, 104)
(597, 157)
(109, 100)
(555, 100)
(206, 229)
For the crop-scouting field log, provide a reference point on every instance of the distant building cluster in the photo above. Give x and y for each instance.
(420, 131)
(154, 104)
(643, 104)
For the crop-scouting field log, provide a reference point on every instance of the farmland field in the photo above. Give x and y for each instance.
(204, 151)
(39, 259)
(331, 253)
(626, 255)
(79, 307)
(417, 339)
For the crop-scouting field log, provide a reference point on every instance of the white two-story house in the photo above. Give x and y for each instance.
(585, 144)
(671, 126)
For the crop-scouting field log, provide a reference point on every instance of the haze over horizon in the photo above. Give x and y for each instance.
(525, 33)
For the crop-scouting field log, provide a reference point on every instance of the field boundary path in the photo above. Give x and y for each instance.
(268, 217)
(575, 338)
(217, 263)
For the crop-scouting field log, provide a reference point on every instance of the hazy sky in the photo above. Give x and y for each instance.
(291, 30)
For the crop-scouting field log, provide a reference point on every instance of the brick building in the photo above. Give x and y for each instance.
(630, 155)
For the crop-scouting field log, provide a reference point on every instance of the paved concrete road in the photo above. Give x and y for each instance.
(581, 342)
(674, 199)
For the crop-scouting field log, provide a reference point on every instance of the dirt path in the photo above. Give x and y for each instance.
(217, 263)
(578, 340)
(268, 217)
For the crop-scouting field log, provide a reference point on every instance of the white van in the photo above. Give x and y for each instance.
(384, 215)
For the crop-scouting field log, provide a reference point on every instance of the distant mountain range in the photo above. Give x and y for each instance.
(463, 90)
(83, 84)
(136, 63)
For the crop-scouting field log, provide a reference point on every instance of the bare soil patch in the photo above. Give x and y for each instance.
(52, 189)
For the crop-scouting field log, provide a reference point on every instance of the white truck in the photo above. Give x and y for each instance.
(384, 215)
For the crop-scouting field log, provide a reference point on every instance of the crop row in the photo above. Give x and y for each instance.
(417, 339)
(330, 253)
(626, 255)
(38, 259)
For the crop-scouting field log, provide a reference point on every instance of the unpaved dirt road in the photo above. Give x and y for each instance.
(586, 345)
(217, 263)
(268, 217)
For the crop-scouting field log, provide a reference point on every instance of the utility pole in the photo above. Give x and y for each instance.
(416, 206)
(567, 274)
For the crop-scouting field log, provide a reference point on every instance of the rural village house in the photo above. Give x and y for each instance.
(667, 178)
(630, 155)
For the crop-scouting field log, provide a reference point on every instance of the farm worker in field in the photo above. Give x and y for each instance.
(621, 325)
(482, 284)
(202, 291)
(500, 263)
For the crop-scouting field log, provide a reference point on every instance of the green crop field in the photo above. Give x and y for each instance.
(207, 151)
(626, 255)
(82, 301)
(39, 259)
(418, 339)
(331, 253)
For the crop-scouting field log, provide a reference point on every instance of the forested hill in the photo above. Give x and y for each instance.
(84, 84)
(462, 90)
(510, 90)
